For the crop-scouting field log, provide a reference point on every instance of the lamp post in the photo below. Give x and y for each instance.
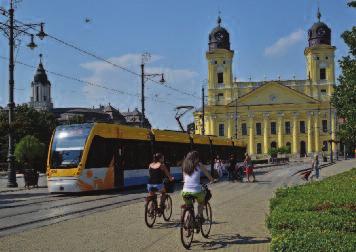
(331, 134)
(145, 57)
(12, 29)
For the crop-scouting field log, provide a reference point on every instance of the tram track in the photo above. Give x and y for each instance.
(18, 222)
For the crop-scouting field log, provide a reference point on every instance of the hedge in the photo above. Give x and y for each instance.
(318, 216)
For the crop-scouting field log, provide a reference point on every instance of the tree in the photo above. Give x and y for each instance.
(29, 152)
(27, 121)
(344, 97)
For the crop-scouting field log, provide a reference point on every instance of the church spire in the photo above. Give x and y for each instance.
(318, 15)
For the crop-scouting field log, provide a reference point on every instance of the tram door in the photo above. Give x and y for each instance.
(119, 166)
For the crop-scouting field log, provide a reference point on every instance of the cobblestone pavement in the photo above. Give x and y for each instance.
(239, 211)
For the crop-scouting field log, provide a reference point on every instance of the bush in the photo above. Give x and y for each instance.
(318, 216)
(273, 152)
(29, 152)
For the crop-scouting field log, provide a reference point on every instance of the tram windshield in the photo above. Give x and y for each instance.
(68, 145)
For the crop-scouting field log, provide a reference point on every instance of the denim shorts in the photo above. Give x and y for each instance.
(159, 187)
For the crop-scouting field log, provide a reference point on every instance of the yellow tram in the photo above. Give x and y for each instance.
(102, 156)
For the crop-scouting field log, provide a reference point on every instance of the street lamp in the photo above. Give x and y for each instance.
(145, 57)
(13, 29)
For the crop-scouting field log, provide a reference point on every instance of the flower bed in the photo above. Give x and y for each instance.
(319, 216)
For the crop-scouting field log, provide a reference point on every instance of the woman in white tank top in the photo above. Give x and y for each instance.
(191, 176)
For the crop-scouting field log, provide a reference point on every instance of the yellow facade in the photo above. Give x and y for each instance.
(266, 114)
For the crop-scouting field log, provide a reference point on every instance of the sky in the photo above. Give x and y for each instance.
(268, 38)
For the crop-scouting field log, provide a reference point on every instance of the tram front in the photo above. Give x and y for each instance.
(65, 156)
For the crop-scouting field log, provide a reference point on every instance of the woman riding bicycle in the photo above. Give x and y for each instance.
(191, 177)
(157, 170)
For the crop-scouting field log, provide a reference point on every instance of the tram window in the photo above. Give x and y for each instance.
(204, 153)
(174, 153)
(137, 154)
(101, 153)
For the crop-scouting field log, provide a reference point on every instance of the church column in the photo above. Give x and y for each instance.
(309, 132)
(316, 131)
(295, 133)
(280, 129)
(265, 133)
(251, 142)
(229, 125)
(213, 125)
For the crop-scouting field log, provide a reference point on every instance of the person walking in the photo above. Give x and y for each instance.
(249, 168)
(316, 167)
(231, 168)
(218, 166)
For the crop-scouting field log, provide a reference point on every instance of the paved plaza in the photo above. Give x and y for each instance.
(33, 220)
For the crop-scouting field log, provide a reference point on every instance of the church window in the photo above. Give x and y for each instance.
(259, 148)
(317, 58)
(326, 57)
(221, 129)
(215, 62)
(325, 125)
(220, 77)
(220, 97)
(288, 144)
(224, 62)
(45, 98)
(258, 129)
(287, 128)
(302, 126)
(244, 129)
(323, 91)
(37, 93)
(273, 128)
(322, 73)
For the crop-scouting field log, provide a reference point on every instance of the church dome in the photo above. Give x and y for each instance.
(319, 33)
(41, 75)
(219, 37)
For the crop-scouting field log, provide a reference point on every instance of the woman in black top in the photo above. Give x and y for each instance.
(157, 170)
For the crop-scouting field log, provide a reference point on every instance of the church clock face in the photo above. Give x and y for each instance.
(219, 36)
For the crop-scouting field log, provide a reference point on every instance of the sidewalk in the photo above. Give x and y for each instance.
(42, 182)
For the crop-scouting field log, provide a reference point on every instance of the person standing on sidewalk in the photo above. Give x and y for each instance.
(316, 167)
(249, 168)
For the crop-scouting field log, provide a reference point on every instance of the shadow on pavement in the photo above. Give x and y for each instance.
(17, 197)
(219, 241)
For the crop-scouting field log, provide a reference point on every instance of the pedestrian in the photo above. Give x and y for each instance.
(249, 168)
(316, 167)
(231, 167)
(218, 166)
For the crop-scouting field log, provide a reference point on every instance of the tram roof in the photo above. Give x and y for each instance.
(221, 141)
(200, 139)
(122, 131)
(170, 136)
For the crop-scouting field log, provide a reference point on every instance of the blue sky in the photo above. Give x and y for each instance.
(268, 38)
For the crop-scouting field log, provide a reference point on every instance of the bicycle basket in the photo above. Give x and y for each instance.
(169, 186)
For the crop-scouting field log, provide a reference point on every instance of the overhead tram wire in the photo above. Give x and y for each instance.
(111, 63)
(90, 83)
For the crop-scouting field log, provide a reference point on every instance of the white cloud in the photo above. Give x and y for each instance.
(283, 44)
(160, 100)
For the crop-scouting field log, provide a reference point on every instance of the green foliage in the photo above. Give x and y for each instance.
(283, 150)
(318, 216)
(273, 152)
(27, 121)
(29, 151)
(344, 97)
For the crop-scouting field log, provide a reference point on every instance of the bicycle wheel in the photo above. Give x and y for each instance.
(207, 220)
(150, 212)
(167, 211)
(187, 228)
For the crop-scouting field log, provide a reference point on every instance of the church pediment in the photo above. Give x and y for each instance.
(274, 93)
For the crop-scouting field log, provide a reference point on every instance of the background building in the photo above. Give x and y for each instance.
(276, 113)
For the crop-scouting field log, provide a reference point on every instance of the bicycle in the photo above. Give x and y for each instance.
(152, 210)
(190, 222)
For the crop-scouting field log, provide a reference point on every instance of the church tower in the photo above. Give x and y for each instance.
(41, 90)
(219, 57)
(320, 61)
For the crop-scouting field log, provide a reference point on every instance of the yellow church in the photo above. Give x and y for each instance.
(277, 113)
